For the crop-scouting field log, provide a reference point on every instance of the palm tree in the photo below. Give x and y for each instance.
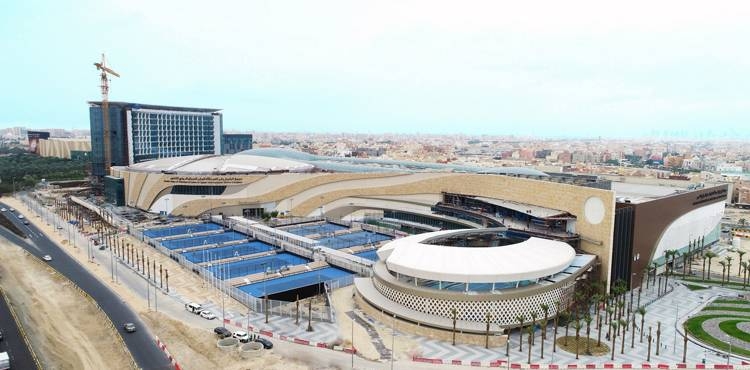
(577, 326)
(723, 269)
(613, 325)
(623, 323)
(567, 323)
(454, 315)
(557, 316)
(521, 319)
(740, 253)
(667, 254)
(587, 318)
(742, 221)
(744, 266)
(709, 255)
(530, 330)
(729, 266)
(654, 266)
(545, 309)
(642, 311)
(534, 315)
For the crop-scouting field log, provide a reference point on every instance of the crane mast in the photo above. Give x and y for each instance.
(105, 71)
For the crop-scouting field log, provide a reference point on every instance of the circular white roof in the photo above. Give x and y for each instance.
(531, 259)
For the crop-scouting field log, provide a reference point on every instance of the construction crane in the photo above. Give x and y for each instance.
(102, 66)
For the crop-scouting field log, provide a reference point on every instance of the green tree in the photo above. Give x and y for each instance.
(709, 255)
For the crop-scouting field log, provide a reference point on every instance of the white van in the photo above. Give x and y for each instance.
(193, 307)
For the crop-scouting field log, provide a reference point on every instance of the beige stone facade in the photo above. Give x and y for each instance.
(304, 194)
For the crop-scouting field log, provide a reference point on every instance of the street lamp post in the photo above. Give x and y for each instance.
(729, 356)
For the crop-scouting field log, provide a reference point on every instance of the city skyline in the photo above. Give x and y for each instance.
(667, 70)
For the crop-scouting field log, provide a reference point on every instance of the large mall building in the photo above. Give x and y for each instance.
(496, 238)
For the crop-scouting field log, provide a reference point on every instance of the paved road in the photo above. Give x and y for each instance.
(141, 343)
(20, 355)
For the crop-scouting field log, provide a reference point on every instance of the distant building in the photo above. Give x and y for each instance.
(34, 137)
(235, 143)
(144, 132)
(76, 149)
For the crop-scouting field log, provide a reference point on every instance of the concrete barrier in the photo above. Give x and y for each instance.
(227, 344)
(252, 349)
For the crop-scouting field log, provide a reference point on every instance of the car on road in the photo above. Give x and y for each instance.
(265, 342)
(208, 315)
(47, 257)
(59, 228)
(129, 327)
(12, 209)
(1, 335)
(3, 209)
(20, 217)
(193, 307)
(222, 332)
(25, 222)
(241, 335)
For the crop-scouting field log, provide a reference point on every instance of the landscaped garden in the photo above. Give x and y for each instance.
(720, 321)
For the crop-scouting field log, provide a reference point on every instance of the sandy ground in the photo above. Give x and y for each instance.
(193, 347)
(196, 348)
(342, 303)
(66, 330)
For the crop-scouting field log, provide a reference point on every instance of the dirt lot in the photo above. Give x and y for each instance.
(65, 329)
(196, 349)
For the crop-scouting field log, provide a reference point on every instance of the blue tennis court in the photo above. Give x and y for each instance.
(256, 265)
(228, 251)
(205, 239)
(286, 283)
(370, 255)
(315, 229)
(355, 238)
(181, 230)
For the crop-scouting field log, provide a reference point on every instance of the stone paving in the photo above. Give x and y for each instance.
(671, 310)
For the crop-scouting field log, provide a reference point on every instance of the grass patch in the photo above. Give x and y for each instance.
(568, 344)
(727, 308)
(694, 326)
(731, 284)
(732, 301)
(694, 287)
(730, 327)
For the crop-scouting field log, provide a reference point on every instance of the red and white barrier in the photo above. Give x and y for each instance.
(164, 349)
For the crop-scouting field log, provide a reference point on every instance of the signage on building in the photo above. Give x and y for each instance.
(711, 196)
(211, 180)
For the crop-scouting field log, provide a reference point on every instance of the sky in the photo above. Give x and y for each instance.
(625, 69)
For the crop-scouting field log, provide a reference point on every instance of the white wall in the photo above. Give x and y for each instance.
(690, 226)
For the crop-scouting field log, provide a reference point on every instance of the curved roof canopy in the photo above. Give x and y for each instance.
(223, 164)
(348, 164)
(529, 260)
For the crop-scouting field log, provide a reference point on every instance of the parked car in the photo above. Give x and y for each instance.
(1, 335)
(222, 332)
(129, 327)
(47, 257)
(242, 336)
(208, 315)
(193, 307)
(265, 342)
